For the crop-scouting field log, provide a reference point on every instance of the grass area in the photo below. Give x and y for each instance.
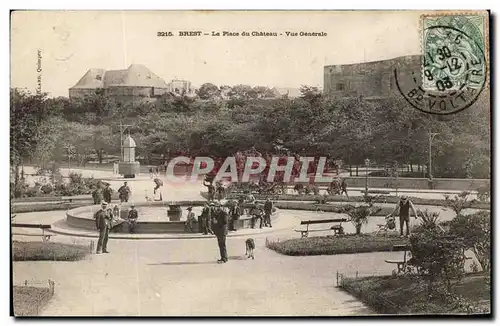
(29, 300)
(48, 251)
(409, 295)
(339, 244)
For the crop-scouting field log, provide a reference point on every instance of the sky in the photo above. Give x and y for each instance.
(54, 49)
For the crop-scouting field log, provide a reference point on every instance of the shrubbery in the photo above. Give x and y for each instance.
(22, 251)
(77, 185)
(339, 244)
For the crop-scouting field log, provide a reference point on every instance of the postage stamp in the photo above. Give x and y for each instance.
(454, 66)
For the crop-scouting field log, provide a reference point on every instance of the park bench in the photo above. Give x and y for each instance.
(43, 227)
(401, 264)
(338, 229)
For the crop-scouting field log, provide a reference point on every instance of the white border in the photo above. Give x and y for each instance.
(179, 5)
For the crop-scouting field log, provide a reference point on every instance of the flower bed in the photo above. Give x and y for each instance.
(22, 251)
(339, 244)
(409, 295)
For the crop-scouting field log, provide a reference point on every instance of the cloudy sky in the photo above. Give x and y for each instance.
(72, 42)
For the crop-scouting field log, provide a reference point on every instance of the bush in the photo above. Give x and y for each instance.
(22, 251)
(407, 294)
(475, 230)
(27, 300)
(332, 245)
(47, 189)
(437, 257)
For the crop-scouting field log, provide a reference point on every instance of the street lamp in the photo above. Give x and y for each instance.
(431, 138)
(367, 164)
(69, 148)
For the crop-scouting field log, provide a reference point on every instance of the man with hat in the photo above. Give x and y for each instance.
(403, 207)
(103, 224)
(190, 220)
(133, 215)
(219, 222)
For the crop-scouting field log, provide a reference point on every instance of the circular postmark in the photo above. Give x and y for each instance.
(451, 75)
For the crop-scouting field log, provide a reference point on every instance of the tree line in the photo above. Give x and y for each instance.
(386, 131)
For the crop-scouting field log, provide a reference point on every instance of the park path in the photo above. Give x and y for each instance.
(181, 278)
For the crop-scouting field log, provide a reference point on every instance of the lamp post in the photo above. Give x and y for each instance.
(367, 163)
(431, 138)
(69, 148)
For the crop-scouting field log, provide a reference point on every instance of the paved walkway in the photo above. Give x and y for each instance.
(181, 277)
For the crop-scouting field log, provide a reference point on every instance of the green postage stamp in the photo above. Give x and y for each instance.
(455, 55)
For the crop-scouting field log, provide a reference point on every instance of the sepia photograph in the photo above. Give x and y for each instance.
(250, 163)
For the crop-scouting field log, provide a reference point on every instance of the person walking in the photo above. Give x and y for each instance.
(124, 192)
(204, 217)
(268, 209)
(219, 222)
(103, 224)
(211, 190)
(234, 215)
(404, 207)
(188, 226)
(133, 215)
(97, 194)
(106, 193)
(343, 188)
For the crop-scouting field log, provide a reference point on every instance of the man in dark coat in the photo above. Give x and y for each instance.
(97, 194)
(219, 225)
(103, 224)
(106, 193)
(268, 209)
(133, 215)
(124, 192)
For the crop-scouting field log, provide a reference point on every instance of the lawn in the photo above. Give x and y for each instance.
(29, 300)
(339, 244)
(48, 251)
(409, 295)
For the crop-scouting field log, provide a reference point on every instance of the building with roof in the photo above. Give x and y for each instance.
(178, 86)
(368, 79)
(134, 84)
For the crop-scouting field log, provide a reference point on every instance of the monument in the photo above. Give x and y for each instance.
(128, 167)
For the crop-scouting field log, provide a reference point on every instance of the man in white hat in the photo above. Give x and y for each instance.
(103, 224)
(403, 206)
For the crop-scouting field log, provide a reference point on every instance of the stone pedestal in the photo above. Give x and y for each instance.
(128, 169)
(174, 212)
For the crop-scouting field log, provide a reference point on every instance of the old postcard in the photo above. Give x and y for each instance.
(250, 163)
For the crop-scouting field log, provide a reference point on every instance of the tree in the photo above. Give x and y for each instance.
(27, 113)
(240, 92)
(208, 91)
(459, 202)
(475, 230)
(437, 257)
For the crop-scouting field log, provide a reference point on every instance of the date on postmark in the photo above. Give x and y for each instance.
(454, 67)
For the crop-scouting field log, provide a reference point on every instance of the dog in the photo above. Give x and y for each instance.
(250, 246)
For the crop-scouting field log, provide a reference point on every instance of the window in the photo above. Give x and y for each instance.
(340, 87)
(98, 77)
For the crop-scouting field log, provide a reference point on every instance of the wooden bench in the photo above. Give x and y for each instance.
(43, 227)
(338, 229)
(401, 264)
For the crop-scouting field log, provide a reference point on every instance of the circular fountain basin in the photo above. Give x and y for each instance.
(154, 217)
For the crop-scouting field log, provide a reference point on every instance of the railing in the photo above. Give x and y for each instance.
(37, 300)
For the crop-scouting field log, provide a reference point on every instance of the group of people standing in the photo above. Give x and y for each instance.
(106, 219)
(104, 193)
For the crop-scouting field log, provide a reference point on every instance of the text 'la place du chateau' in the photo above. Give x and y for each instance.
(244, 33)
